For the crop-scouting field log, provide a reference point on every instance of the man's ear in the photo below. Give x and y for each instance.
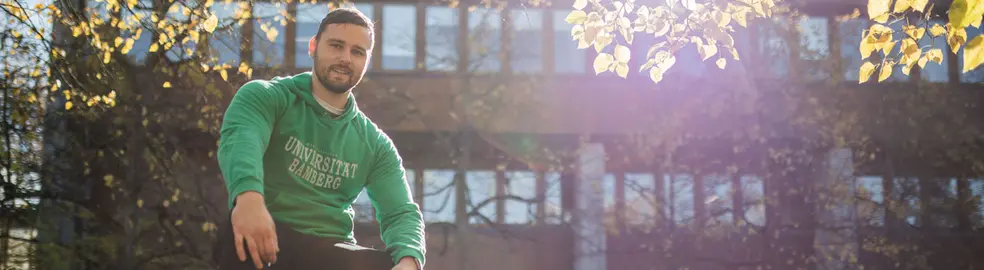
(312, 45)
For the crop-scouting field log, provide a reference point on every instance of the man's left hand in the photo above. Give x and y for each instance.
(407, 263)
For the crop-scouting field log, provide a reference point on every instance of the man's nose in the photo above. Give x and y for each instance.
(345, 57)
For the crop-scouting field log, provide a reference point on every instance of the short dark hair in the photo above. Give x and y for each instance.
(346, 16)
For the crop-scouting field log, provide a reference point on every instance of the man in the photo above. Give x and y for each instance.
(296, 152)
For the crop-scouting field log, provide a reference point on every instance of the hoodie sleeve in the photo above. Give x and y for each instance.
(400, 221)
(244, 136)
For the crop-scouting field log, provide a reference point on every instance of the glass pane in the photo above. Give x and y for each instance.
(717, 198)
(481, 188)
(141, 46)
(439, 196)
(774, 49)
(814, 38)
(568, 59)
(680, 193)
(527, 42)
(851, 33)
(639, 199)
(442, 37)
(268, 33)
(181, 49)
(485, 29)
(753, 193)
(521, 184)
(224, 42)
(399, 37)
(552, 199)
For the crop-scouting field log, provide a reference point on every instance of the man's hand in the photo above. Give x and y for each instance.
(252, 222)
(407, 263)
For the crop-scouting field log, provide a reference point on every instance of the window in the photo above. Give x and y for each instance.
(521, 184)
(977, 194)
(399, 37)
(814, 38)
(141, 46)
(481, 188)
(439, 196)
(905, 191)
(553, 211)
(772, 47)
(224, 42)
(851, 33)
(814, 47)
(639, 200)
(485, 42)
(442, 39)
(934, 72)
(680, 195)
(308, 20)
(753, 193)
(717, 198)
(268, 33)
(527, 43)
(973, 76)
(568, 59)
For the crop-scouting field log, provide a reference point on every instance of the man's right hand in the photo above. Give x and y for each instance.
(252, 222)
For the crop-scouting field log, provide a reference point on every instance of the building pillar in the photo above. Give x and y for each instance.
(589, 230)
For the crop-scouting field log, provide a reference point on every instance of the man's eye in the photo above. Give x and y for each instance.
(336, 45)
(357, 52)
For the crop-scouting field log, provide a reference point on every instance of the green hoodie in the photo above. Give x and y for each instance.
(277, 139)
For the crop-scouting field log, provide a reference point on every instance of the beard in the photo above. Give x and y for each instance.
(325, 77)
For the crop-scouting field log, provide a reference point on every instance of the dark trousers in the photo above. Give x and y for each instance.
(301, 252)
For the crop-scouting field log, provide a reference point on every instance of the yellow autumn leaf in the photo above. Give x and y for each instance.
(923, 60)
(867, 69)
(153, 47)
(740, 17)
(955, 38)
(602, 62)
(886, 71)
(919, 5)
(224, 74)
(167, 84)
(621, 69)
(973, 54)
(117, 41)
(935, 55)
(910, 51)
(902, 5)
(706, 51)
(68, 105)
(914, 31)
(211, 23)
(139, 203)
(622, 53)
(867, 46)
(963, 12)
(576, 17)
(721, 63)
(937, 30)
(127, 47)
(271, 34)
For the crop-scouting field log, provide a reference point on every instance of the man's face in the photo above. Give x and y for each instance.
(340, 56)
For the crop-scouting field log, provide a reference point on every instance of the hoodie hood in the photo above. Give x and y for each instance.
(302, 87)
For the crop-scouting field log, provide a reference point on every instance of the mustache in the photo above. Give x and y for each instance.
(339, 67)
